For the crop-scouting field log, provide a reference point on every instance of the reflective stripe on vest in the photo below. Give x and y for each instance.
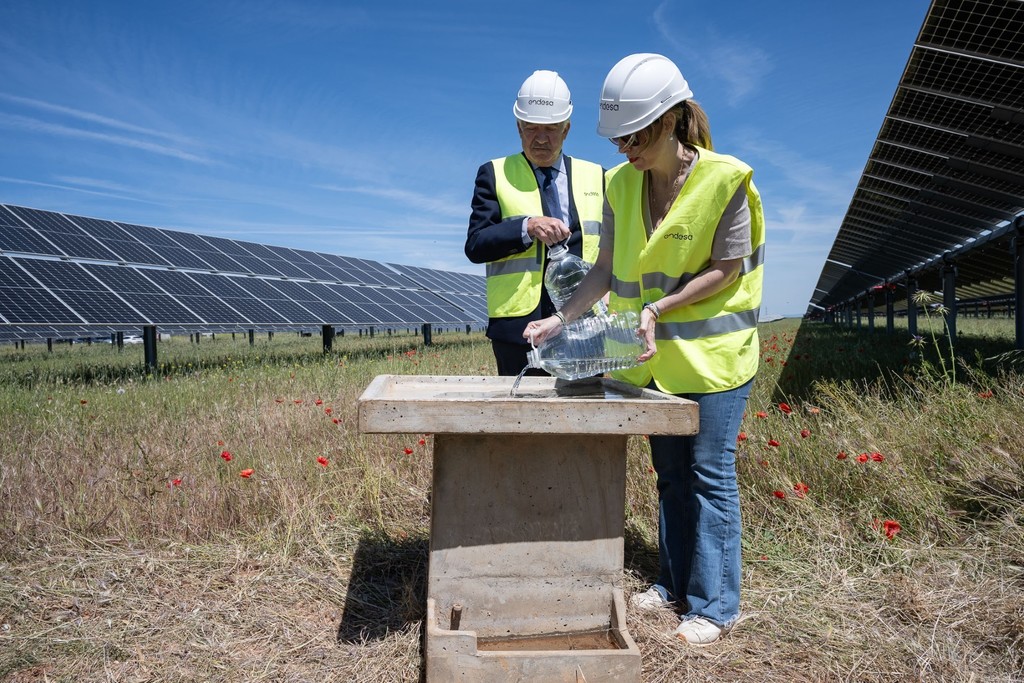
(514, 282)
(710, 345)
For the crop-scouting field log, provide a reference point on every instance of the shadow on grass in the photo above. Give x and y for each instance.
(641, 555)
(387, 590)
(822, 351)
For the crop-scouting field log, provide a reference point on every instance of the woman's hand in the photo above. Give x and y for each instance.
(646, 332)
(539, 330)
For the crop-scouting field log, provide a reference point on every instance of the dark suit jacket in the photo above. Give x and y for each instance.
(490, 237)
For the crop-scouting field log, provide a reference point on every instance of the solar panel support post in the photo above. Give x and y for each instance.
(120, 341)
(871, 312)
(859, 307)
(912, 306)
(890, 324)
(949, 299)
(252, 337)
(149, 347)
(428, 333)
(49, 344)
(1018, 280)
(328, 334)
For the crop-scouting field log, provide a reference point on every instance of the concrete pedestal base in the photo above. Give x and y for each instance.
(527, 517)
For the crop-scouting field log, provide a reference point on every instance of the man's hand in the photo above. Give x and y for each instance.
(548, 230)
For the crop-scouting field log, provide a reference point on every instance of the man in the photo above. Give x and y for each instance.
(525, 203)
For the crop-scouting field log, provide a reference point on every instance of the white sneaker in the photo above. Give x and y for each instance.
(651, 599)
(698, 631)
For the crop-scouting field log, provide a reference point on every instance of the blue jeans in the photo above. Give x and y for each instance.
(699, 509)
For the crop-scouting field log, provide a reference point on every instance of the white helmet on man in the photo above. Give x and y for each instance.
(638, 90)
(543, 98)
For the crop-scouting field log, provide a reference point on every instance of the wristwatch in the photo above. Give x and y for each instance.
(653, 308)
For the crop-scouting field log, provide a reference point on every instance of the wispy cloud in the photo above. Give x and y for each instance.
(415, 200)
(737, 63)
(827, 185)
(17, 122)
(73, 188)
(94, 118)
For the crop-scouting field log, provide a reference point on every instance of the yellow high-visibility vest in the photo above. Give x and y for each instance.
(711, 345)
(514, 283)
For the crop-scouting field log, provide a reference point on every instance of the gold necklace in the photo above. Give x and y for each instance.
(656, 219)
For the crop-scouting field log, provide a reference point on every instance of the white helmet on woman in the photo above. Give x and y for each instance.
(543, 98)
(638, 90)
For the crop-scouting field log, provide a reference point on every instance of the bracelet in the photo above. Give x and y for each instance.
(560, 316)
(653, 308)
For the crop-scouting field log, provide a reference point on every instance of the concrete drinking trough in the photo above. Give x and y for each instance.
(527, 514)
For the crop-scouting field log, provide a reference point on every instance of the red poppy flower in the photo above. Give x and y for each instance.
(173, 482)
(742, 436)
(422, 442)
(226, 456)
(891, 527)
(985, 394)
(318, 402)
(297, 401)
(804, 433)
(842, 455)
(877, 457)
(779, 494)
(800, 488)
(784, 407)
(773, 443)
(328, 411)
(761, 414)
(763, 558)
(322, 460)
(408, 451)
(278, 400)
(813, 410)
(220, 442)
(863, 457)
(245, 474)
(335, 420)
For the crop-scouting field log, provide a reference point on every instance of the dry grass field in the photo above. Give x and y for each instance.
(225, 521)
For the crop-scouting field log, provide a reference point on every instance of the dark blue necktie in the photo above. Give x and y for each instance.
(549, 190)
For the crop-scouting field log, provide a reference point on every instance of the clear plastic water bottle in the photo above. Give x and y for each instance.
(587, 347)
(564, 273)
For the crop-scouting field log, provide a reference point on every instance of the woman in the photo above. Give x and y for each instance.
(683, 246)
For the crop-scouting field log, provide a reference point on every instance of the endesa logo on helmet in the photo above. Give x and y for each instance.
(542, 103)
(609, 106)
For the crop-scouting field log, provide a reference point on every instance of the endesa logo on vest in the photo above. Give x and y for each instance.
(679, 236)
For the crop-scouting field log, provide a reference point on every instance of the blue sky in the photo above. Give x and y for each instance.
(357, 127)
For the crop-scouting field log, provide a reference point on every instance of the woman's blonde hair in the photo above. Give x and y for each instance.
(692, 126)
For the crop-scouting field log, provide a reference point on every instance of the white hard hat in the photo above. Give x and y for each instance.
(544, 98)
(638, 90)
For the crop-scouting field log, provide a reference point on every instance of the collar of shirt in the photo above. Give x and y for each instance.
(559, 166)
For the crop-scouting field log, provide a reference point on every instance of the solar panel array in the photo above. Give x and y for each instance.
(945, 179)
(63, 276)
